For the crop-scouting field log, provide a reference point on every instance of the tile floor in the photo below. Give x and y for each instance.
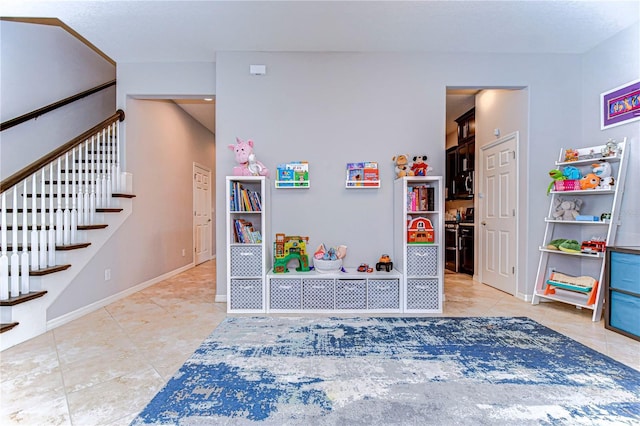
(103, 368)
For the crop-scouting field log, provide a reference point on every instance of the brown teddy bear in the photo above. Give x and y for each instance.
(402, 165)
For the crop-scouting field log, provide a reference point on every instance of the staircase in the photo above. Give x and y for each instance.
(55, 215)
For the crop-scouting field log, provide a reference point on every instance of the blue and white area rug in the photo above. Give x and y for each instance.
(395, 371)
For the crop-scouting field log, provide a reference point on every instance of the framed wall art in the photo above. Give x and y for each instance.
(620, 105)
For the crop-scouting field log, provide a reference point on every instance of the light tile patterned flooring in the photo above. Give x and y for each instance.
(103, 368)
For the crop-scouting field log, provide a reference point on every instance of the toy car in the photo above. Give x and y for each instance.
(592, 246)
(363, 267)
(384, 263)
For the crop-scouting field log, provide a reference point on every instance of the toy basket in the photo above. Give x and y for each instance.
(327, 266)
(566, 185)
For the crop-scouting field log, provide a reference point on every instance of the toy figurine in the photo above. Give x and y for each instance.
(602, 169)
(247, 163)
(555, 174)
(419, 167)
(402, 166)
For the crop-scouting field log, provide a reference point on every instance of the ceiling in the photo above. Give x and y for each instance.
(195, 31)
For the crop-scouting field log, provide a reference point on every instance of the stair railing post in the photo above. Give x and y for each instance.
(43, 222)
(51, 241)
(116, 160)
(73, 213)
(92, 194)
(35, 245)
(79, 212)
(15, 258)
(67, 212)
(24, 258)
(87, 186)
(58, 185)
(109, 171)
(96, 168)
(103, 165)
(4, 260)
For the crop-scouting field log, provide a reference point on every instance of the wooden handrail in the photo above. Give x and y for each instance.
(38, 112)
(48, 158)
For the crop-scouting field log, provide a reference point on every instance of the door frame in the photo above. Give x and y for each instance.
(479, 240)
(209, 207)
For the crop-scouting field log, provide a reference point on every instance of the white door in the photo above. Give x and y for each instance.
(498, 243)
(201, 213)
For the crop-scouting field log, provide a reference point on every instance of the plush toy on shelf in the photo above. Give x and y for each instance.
(602, 169)
(555, 175)
(566, 209)
(590, 181)
(402, 166)
(246, 159)
(419, 167)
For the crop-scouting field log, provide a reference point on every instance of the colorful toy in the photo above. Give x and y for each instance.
(571, 155)
(384, 263)
(420, 231)
(593, 246)
(590, 181)
(602, 169)
(555, 175)
(247, 163)
(402, 166)
(566, 209)
(610, 149)
(571, 173)
(286, 248)
(419, 167)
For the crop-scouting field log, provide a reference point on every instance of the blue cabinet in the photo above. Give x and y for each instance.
(622, 291)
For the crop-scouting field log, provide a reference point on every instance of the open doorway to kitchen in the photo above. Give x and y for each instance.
(477, 117)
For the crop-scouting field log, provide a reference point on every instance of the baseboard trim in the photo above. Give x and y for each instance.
(221, 298)
(78, 313)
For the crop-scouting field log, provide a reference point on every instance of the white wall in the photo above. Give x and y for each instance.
(331, 109)
(612, 64)
(164, 142)
(42, 64)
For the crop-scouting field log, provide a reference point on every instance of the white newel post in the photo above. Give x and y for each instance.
(35, 245)
(24, 258)
(59, 209)
(4, 260)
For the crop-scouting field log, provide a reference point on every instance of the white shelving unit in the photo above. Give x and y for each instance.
(421, 265)
(247, 201)
(595, 202)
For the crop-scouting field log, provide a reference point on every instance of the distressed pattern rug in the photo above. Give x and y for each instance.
(395, 371)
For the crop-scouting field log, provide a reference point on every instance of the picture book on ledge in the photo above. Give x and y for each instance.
(293, 174)
(363, 173)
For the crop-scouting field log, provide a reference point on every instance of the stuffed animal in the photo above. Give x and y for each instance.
(419, 167)
(602, 169)
(566, 209)
(572, 173)
(590, 181)
(555, 175)
(571, 155)
(402, 166)
(247, 163)
(610, 149)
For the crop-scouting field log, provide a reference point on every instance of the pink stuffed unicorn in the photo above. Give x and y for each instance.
(247, 163)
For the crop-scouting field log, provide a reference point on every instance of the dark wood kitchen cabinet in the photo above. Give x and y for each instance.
(461, 159)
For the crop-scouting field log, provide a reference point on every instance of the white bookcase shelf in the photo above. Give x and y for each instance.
(597, 201)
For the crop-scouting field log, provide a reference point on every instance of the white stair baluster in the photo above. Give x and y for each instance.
(80, 205)
(103, 165)
(119, 181)
(96, 169)
(24, 258)
(35, 249)
(109, 169)
(4, 260)
(87, 187)
(51, 240)
(43, 222)
(59, 227)
(73, 212)
(15, 258)
(67, 211)
(92, 194)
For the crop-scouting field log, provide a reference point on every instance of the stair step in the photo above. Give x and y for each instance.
(8, 326)
(67, 247)
(49, 270)
(109, 210)
(122, 195)
(90, 227)
(47, 210)
(12, 301)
